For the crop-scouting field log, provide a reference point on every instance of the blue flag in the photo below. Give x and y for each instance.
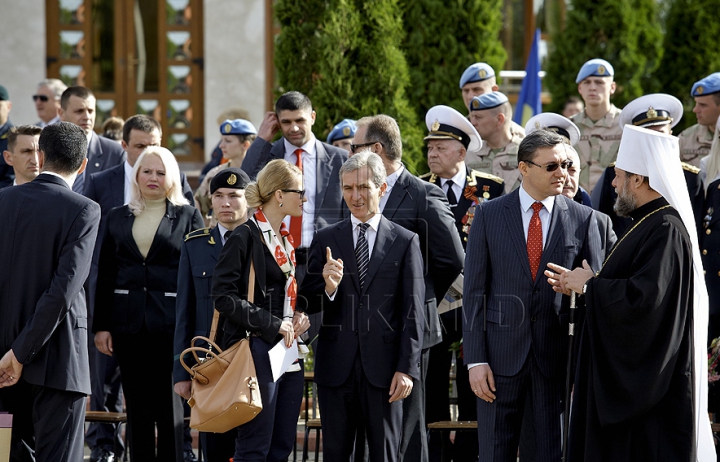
(529, 103)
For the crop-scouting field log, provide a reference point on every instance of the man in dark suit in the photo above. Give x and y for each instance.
(515, 329)
(194, 307)
(450, 136)
(365, 274)
(44, 368)
(422, 208)
(111, 188)
(77, 105)
(320, 163)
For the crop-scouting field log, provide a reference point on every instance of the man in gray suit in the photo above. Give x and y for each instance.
(44, 372)
(515, 331)
(77, 105)
(319, 162)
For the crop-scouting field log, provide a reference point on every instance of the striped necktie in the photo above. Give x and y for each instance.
(362, 253)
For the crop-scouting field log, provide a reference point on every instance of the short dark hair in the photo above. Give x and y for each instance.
(572, 100)
(536, 140)
(385, 130)
(14, 132)
(292, 101)
(80, 92)
(112, 128)
(140, 122)
(65, 146)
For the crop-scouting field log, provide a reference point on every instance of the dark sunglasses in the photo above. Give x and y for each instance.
(42, 98)
(552, 167)
(301, 192)
(355, 147)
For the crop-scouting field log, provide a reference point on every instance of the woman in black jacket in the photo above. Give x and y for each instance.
(270, 316)
(135, 301)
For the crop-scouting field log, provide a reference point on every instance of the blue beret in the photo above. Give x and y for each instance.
(597, 67)
(476, 73)
(232, 178)
(488, 101)
(343, 130)
(707, 86)
(237, 127)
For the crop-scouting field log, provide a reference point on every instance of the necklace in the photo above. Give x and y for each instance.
(627, 234)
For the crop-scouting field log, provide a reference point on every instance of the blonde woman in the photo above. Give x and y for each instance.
(270, 316)
(135, 301)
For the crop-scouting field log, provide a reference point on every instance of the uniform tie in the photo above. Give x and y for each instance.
(227, 235)
(452, 199)
(362, 253)
(535, 240)
(296, 222)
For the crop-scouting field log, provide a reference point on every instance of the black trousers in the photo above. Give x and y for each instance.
(106, 396)
(354, 406)
(414, 446)
(146, 362)
(47, 423)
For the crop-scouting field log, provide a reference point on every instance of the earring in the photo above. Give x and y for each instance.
(280, 204)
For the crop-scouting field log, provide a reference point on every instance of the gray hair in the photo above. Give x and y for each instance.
(56, 85)
(536, 140)
(365, 158)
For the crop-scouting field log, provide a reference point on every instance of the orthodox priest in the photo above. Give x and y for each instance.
(641, 384)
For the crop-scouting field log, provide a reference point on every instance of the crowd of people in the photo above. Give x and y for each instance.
(390, 278)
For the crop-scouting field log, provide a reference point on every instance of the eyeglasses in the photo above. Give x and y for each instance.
(301, 192)
(42, 98)
(552, 167)
(355, 147)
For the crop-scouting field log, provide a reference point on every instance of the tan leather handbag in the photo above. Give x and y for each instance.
(225, 391)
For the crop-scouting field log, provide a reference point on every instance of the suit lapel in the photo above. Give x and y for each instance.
(383, 241)
(556, 230)
(324, 170)
(164, 229)
(397, 195)
(117, 185)
(513, 219)
(127, 225)
(344, 239)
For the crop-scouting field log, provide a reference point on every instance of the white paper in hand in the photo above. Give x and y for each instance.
(282, 357)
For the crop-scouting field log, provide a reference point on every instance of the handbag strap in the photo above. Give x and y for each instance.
(251, 299)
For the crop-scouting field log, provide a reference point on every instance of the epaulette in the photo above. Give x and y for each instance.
(485, 176)
(197, 233)
(429, 177)
(690, 168)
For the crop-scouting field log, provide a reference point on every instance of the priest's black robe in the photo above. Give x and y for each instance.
(633, 396)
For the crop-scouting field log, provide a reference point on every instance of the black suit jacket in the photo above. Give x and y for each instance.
(107, 188)
(383, 319)
(133, 290)
(194, 308)
(423, 208)
(46, 255)
(230, 289)
(102, 154)
(328, 194)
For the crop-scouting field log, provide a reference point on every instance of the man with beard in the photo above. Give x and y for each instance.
(640, 389)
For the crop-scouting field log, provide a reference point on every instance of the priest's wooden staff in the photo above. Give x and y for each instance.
(568, 378)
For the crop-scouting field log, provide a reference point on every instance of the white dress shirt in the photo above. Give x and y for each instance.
(59, 176)
(458, 183)
(309, 162)
(127, 183)
(390, 180)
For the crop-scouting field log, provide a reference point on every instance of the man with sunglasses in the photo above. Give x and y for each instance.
(515, 325)
(47, 101)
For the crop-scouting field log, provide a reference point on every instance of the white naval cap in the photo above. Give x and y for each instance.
(650, 110)
(554, 123)
(445, 123)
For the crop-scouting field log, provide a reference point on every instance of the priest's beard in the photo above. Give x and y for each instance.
(625, 202)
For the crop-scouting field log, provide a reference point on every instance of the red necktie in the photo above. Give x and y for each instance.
(296, 222)
(535, 239)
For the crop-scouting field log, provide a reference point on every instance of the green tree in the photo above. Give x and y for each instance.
(352, 64)
(690, 45)
(445, 38)
(626, 33)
